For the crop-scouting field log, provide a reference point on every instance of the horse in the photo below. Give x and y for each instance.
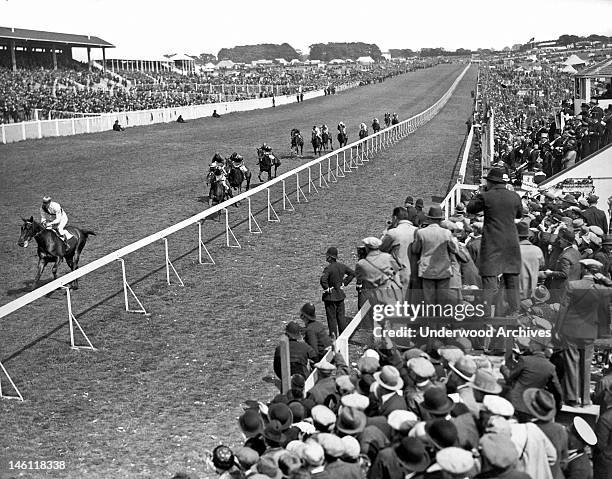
(342, 139)
(266, 161)
(51, 248)
(325, 139)
(297, 142)
(387, 120)
(235, 176)
(363, 134)
(217, 193)
(375, 127)
(317, 144)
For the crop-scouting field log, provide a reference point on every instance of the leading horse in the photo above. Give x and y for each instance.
(342, 139)
(51, 248)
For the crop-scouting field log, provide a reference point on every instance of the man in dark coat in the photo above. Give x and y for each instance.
(500, 252)
(593, 216)
(315, 334)
(300, 353)
(565, 268)
(334, 278)
(577, 325)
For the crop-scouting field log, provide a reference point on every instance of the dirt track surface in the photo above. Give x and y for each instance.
(162, 389)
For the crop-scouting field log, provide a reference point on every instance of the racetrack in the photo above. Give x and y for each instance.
(160, 389)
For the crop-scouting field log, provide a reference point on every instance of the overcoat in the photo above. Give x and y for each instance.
(500, 251)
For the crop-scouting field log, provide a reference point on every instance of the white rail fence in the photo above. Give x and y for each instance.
(320, 173)
(29, 130)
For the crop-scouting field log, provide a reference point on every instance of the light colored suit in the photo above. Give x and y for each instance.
(532, 259)
(396, 242)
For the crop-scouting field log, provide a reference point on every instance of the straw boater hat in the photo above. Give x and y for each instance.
(584, 431)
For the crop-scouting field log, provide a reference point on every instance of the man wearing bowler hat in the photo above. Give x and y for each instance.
(333, 280)
(500, 252)
(314, 332)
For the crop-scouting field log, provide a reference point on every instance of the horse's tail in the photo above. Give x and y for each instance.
(87, 233)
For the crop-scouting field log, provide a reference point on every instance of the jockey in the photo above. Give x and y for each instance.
(324, 129)
(316, 131)
(220, 177)
(52, 216)
(395, 120)
(217, 162)
(375, 122)
(363, 127)
(342, 128)
(265, 148)
(238, 162)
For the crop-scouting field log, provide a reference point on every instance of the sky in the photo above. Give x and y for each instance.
(153, 27)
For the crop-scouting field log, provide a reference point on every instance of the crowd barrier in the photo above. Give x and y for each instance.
(316, 174)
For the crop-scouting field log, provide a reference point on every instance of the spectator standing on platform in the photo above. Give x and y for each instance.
(500, 250)
(333, 280)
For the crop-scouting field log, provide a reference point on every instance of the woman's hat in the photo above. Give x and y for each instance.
(223, 457)
(389, 378)
(540, 403)
(412, 454)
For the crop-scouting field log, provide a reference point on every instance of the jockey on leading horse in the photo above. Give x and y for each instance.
(342, 128)
(53, 217)
(238, 162)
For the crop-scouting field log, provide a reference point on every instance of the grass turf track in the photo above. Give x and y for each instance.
(161, 389)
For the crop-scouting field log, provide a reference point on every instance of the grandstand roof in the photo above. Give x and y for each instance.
(20, 34)
(601, 69)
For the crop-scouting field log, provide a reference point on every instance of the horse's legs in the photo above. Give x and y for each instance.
(248, 180)
(73, 263)
(41, 266)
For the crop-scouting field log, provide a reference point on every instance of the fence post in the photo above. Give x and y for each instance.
(3, 134)
(23, 133)
(39, 125)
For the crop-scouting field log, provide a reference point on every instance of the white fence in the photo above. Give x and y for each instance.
(317, 173)
(28, 130)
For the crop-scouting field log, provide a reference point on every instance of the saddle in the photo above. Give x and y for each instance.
(68, 237)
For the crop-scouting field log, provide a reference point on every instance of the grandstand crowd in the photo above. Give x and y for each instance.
(536, 129)
(73, 89)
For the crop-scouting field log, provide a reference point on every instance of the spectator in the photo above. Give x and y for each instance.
(500, 250)
(336, 276)
(314, 334)
(300, 353)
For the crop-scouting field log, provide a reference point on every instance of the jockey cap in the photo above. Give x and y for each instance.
(46, 199)
(238, 157)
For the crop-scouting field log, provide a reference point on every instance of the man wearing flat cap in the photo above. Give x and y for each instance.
(335, 277)
(500, 252)
(578, 328)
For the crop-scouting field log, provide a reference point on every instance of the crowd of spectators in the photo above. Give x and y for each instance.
(450, 406)
(80, 91)
(536, 129)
